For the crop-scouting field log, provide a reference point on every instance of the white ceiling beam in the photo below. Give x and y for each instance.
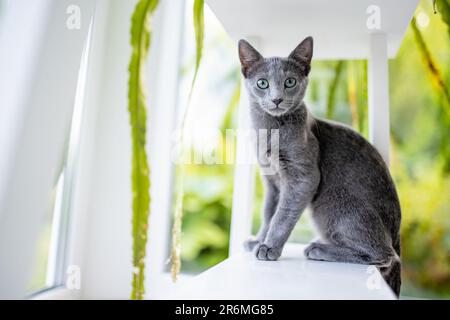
(378, 92)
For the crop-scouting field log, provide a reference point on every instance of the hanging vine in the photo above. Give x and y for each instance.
(140, 170)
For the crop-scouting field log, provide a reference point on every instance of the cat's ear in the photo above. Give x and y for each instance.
(248, 56)
(304, 51)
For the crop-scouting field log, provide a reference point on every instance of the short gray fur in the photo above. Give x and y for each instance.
(324, 165)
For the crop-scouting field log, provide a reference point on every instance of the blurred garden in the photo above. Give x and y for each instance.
(420, 143)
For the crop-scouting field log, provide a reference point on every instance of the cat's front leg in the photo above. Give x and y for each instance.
(295, 195)
(270, 206)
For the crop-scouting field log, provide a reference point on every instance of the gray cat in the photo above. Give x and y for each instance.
(321, 164)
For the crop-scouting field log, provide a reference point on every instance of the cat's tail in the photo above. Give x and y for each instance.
(392, 273)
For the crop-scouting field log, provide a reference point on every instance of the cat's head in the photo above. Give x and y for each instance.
(276, 84)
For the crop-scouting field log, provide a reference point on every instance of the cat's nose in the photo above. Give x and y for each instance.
(277, 101)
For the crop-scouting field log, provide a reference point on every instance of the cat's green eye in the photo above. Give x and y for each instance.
(290, 83)
(262, 83)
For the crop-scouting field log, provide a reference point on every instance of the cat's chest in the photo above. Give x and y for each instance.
(274, 151)
(268, 159)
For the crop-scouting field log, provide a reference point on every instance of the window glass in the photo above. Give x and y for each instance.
(208, 185)
(43, 271)
(52, 245)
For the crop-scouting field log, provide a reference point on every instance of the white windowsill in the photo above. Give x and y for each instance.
(291, 277)
(242, 276)
(58, 293)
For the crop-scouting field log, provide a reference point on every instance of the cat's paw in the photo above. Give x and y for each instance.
(314, 251)
(263, 252)
(251, 243)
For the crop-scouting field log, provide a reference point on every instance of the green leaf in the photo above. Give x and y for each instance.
(352, 94)
(140, 171)
(433, 70)
(199, 27)
(444, 9)
(331, 101)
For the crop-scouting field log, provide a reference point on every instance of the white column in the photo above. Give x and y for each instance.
(244, 180)
(244, 176)
(378, 87)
